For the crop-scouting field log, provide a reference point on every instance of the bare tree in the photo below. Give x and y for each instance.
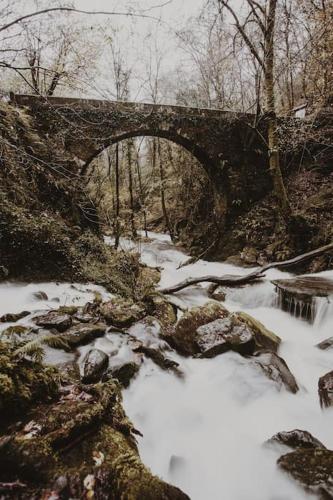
(264, 15)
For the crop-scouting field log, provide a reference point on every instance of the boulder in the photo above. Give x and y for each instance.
(264, 338)
(325, 344)
(296, 439)
(325, 390)
(184, 336)
(40, 295)
(223, 335)
(312, 468)
(54, 319)
(13, 317)
(158, 358)
(83, 333)
(123, 373)
(95, 364)
(276, 369)
(162, 310)
(121, 312)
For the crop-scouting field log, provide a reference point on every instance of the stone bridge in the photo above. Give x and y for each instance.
(230, 149)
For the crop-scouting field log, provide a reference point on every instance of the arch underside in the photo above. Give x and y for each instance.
(204, 159)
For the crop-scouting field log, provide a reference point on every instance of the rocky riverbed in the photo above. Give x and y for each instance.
(195, 386)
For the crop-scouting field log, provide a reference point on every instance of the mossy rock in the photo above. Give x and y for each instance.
(161, 309)
(71, 310)
(312, 468)
(13, 317)
(184, 337)
(83, 333)
(265, 339)
(81, 446)
(23, 382)
(121, 312)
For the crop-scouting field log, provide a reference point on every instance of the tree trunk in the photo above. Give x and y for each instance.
(273, 143)
(130, 186)
(142, 196)
(162, 191)
(116, 222)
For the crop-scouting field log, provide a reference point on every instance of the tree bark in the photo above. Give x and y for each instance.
(273, 143)
(116, 221)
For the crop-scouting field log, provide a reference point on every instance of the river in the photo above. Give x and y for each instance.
(205, 432)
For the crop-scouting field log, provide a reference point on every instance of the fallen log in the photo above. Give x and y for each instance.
(234, 280)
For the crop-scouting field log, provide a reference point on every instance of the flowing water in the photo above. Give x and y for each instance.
(205, 433)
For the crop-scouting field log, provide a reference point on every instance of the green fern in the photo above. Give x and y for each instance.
(34, 348)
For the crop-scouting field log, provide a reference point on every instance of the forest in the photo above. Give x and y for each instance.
(166, 249)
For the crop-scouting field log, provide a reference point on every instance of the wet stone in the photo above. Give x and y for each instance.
(13, 317)
(312, 468)
(59, 321)
(296, 439)
(158, 358)
(123, 373)
(223, 335)
(83, 333)
(325, 344)
(325, 390)
(121, 313)
(40, 295)
(95, 364)
(264, 338)
(276, 369)
(184, 336)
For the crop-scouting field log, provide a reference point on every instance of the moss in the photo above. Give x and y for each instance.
(88, 421)
(265, 339)
(23, 382)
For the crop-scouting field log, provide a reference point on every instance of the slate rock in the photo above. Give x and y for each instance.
(54, 319)
(13, 317)
(325, 390)
(223, 335)
(276, 369)
(95, 364)
(325, 344)
(296, 439)
(83, 333)
(312, 468)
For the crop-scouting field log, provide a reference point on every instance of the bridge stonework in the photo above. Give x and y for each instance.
(226, 144)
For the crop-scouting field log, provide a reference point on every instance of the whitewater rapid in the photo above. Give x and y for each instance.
(205, 433)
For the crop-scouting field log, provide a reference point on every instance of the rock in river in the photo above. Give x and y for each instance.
(298, 295)
(83, 333)
(13, 317)
(325, 344)
(276, 369)
(296, 439)
(265, 339)
(223, 335)
(121, 313)
(124, 373)
(54, 319)
(312, 468)
(325, 390)
(95, 364)
(184, 336)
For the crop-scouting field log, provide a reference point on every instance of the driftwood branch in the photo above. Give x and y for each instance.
(234, 280)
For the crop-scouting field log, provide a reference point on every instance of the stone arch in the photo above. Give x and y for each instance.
(200, 154)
